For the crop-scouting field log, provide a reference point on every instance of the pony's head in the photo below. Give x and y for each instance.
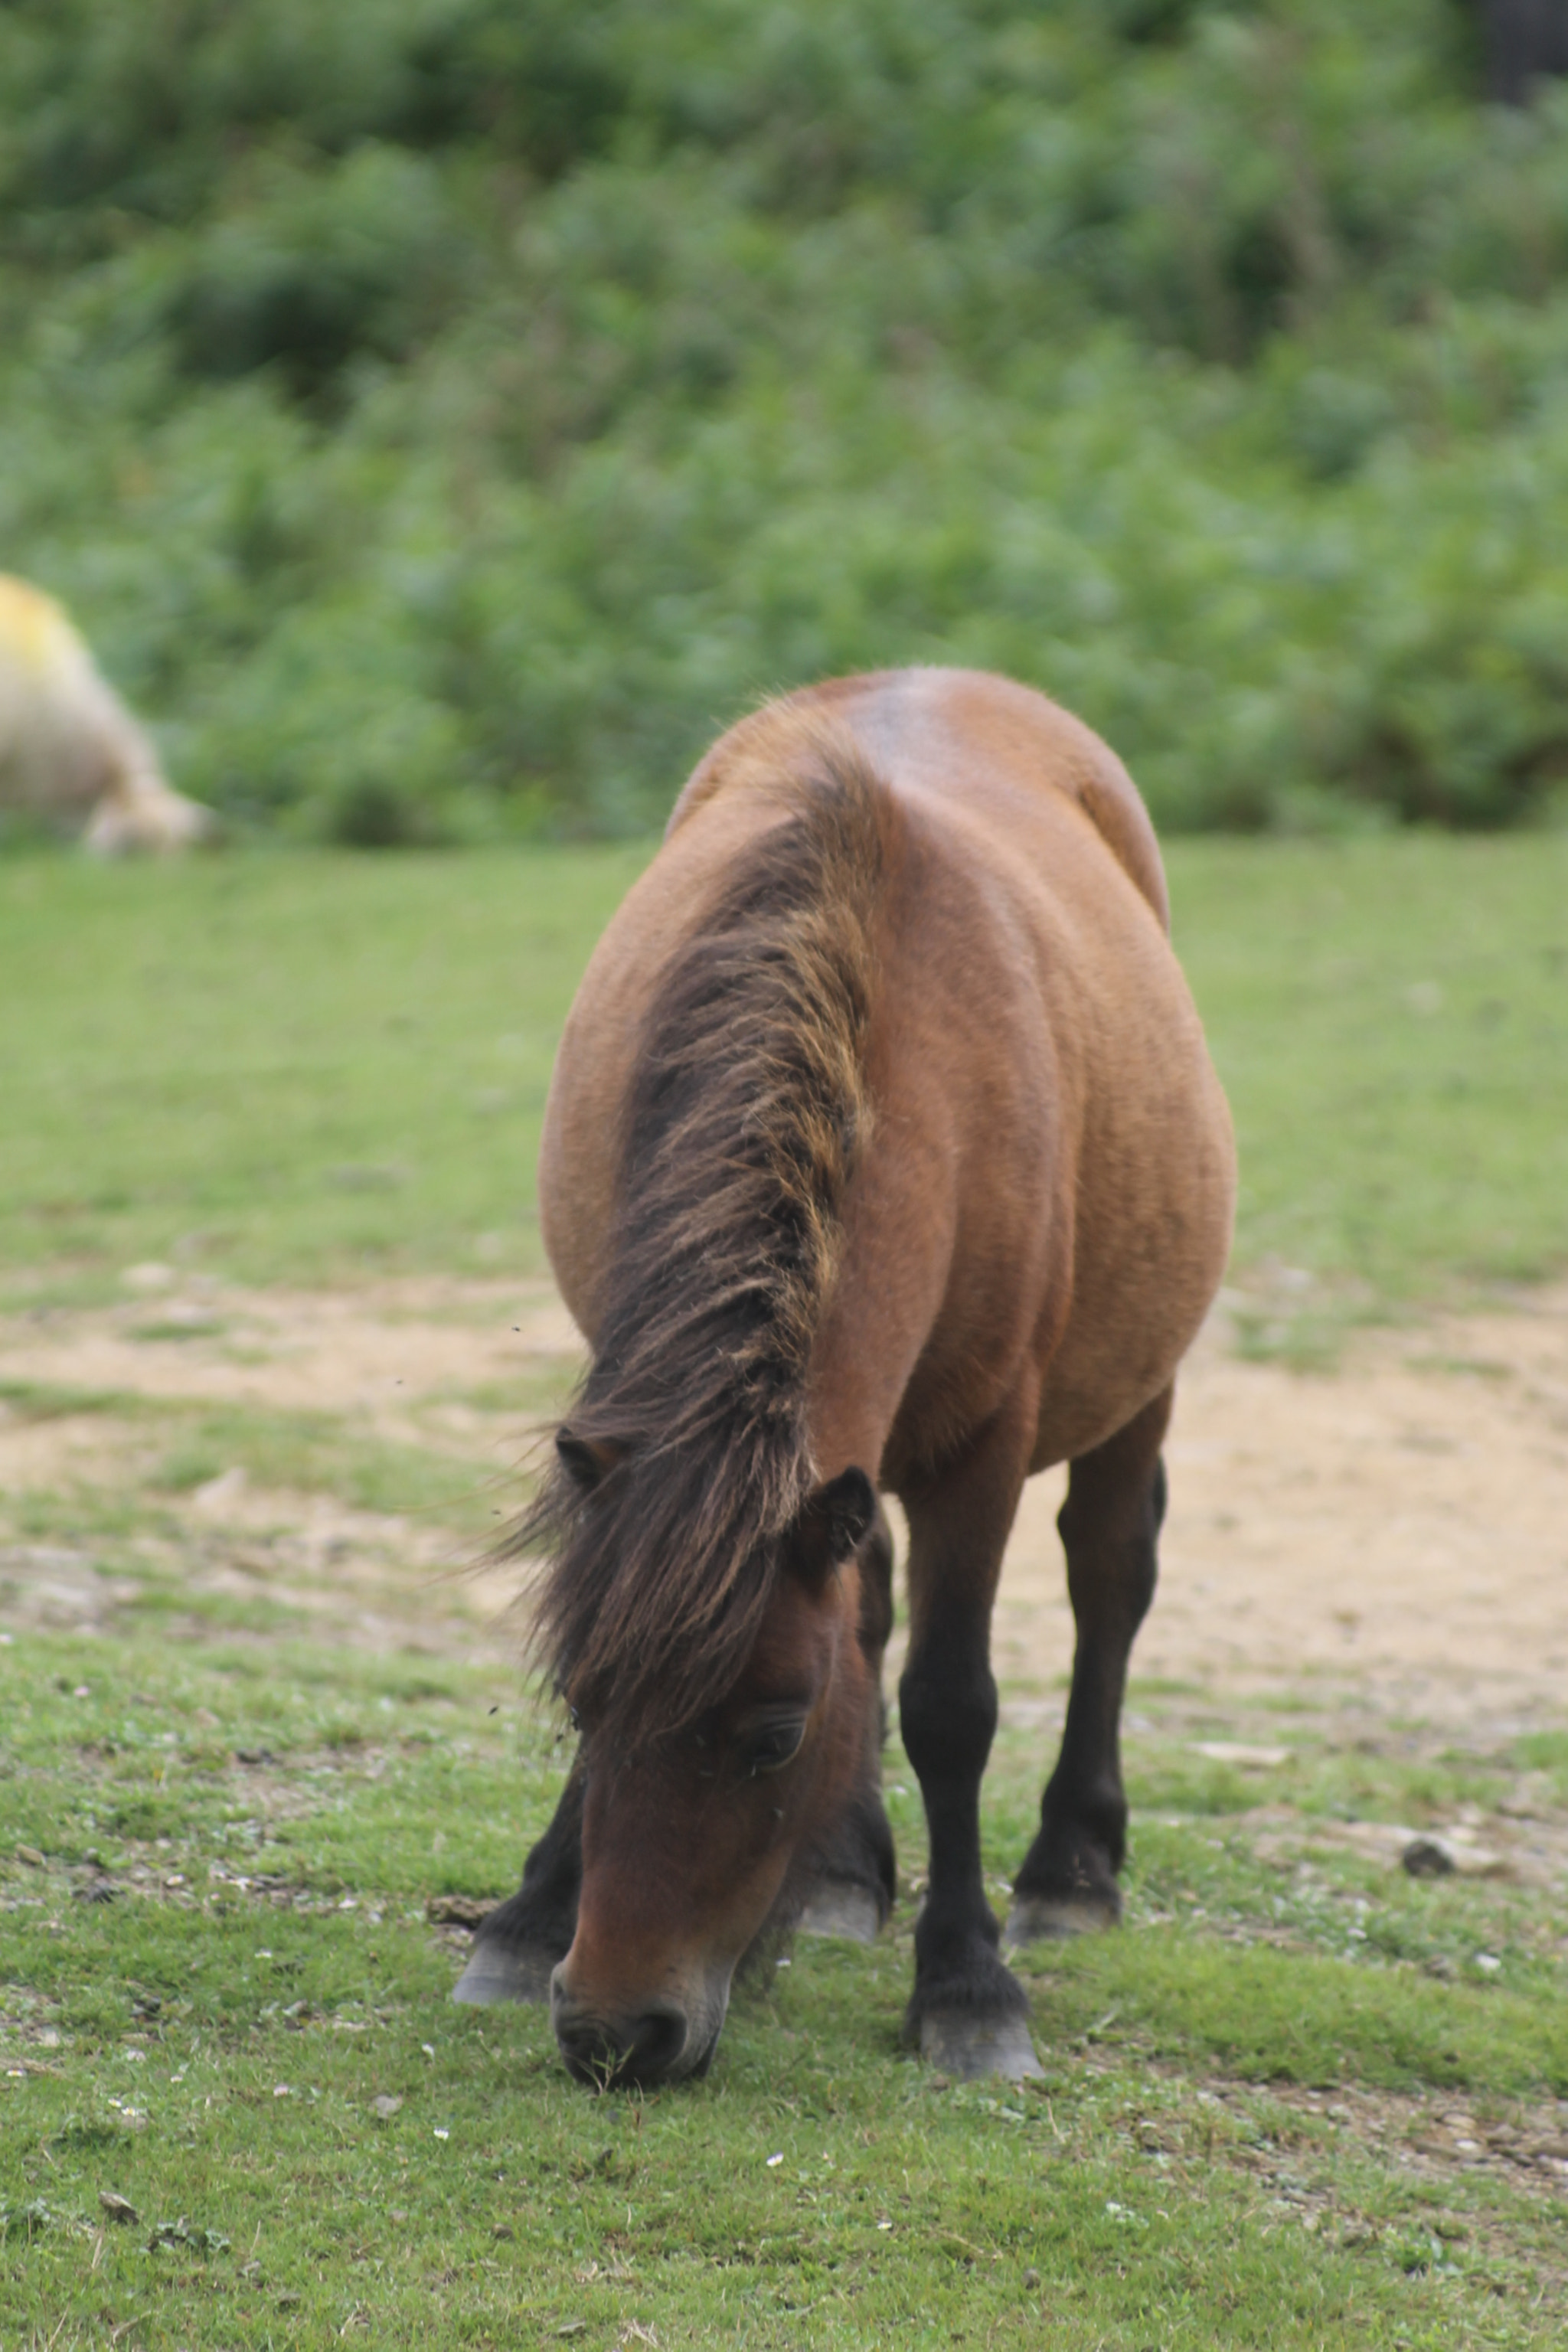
(700, 1836)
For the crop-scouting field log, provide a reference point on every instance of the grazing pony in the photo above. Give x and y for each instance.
(68, 747)
(883, 1151)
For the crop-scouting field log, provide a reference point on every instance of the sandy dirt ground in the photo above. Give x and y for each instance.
(1391, 1535)
(1396, 1530)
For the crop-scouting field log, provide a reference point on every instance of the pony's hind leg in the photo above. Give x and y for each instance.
(967, 2013)
(517, 1946)
(1109, 1525)
(850, 1894)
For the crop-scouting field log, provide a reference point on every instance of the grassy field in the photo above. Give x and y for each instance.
(302, 1070)
(287, 1067)
(1302, 2100)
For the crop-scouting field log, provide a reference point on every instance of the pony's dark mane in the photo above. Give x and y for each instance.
(742, 1129)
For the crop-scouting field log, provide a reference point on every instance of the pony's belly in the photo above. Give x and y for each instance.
(1125, 1350)
(1082, 1408)
(1144, 1274)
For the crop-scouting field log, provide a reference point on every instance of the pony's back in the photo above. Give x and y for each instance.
(947, 730)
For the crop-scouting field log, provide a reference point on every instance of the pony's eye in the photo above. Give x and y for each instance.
(774, 1746)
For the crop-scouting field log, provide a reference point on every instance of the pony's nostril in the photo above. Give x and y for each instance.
(591, 2050)
(659, 2038)
(637, 2050)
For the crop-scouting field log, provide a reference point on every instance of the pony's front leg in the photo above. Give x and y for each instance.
(1109, 1526)
(850, 1894)
(517, 1946)
(967, 2013)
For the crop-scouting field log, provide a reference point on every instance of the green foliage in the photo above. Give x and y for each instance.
(441, 415)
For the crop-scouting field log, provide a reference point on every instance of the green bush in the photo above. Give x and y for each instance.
(443, 415)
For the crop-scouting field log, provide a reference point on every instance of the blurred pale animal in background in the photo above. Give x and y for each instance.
(68, 747)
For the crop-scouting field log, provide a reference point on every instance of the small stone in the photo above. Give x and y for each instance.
(386, 2105)
(1429, 1857)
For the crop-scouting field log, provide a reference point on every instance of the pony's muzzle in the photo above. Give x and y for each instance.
(647, 2048)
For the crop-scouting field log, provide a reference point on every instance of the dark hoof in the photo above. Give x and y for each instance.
(969, 2047)
(497, 1971)
(835, 1906)
(1033, 1918)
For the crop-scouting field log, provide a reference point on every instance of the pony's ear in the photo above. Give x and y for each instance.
(836, 1518)
(585, 1460)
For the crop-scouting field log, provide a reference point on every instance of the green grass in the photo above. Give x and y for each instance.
(210, 2046)
(1390, 1018)
(288, 1067)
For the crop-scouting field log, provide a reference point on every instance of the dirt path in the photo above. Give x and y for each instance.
(1392, 1536)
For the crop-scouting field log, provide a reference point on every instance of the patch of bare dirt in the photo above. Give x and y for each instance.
(1435, 2137)
(446, 1366)
(1524, 1840)
(1395, 1531)
(370, 1353)
(1284, 2127)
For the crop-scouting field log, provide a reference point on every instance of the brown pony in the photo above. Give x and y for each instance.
(883, 1151)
